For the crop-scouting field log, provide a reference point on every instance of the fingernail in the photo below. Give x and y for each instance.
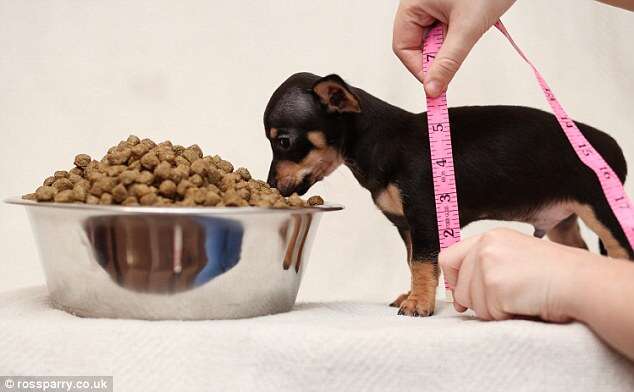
(433, 88)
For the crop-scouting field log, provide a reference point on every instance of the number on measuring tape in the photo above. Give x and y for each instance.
(444, 181)
(610, 183)
(446, 199)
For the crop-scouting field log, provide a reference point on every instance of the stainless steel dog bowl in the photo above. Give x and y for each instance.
(172, 263)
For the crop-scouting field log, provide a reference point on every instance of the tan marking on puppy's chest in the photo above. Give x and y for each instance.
(389, 200)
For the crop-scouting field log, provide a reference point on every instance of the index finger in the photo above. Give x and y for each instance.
(450, 259)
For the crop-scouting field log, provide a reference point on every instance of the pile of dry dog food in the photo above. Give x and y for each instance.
(141, 172)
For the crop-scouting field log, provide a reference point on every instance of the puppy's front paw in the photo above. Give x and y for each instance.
(398, 301)
(417, 306)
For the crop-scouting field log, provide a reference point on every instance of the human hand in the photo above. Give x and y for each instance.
(467, 21)
(504, 273)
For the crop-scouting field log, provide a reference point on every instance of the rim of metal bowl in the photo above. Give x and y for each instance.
(172, 210)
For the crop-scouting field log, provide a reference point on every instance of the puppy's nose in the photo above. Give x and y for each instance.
(286, 186)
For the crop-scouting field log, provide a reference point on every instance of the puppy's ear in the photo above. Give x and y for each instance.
(335, 95)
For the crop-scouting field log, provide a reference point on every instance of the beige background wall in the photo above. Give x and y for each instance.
(76, 76)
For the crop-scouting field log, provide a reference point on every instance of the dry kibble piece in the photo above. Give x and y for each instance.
(166, 144)
(214, 176)
(211, 198)
(115, 170)
(106, 199)
(166, 155)
(139, 190)
(149, 143)
(262, 184)
(82, 160)
(94, 176)
(119, 193)
(150, 160)
(92, 199)
(83, 183)
(213, 188)
(295, 201)
(179, 173)
(196, 194)
(197, 180)
(200, 166)
(129, 176)
(280, 204)
(45, 193)
(315, 201)
(65, 196)
(62, 184)
(103, 184)
(130, 201)
(102, 167)
(191, 155)
(162, 170)
(119, 156)
(186, 203)
(92, 166)
(163, 201)
(262, 203)
(270, 198)
(231, 199)
(197, 149)
(244, 193)
(182, 187)
(134, 165)
(226, 166)
(49, 181)
(29, 196)
(61, 174)
(133, 140)
(139, 150)
(149, 199)
(167, 188)
(76, 170)
(178, 150)
(244, 173)
(74, 178)
(80, 192)
(227, 183)
(180, 160)
(145, 177)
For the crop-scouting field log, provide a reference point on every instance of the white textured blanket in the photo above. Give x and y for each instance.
(316, 347)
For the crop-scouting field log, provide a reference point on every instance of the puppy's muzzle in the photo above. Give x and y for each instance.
(287, 185)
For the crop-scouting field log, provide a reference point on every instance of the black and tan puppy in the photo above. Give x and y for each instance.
(511, 163)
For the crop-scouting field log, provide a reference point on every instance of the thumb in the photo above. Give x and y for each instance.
(458, 43)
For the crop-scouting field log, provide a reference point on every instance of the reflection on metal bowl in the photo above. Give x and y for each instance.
(172, 263)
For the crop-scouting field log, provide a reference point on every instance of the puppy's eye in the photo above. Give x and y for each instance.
(284, 142)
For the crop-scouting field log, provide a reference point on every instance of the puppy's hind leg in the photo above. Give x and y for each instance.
(600, 219)
(567, 232)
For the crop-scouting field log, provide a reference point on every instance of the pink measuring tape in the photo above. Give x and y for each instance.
(442, 160)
